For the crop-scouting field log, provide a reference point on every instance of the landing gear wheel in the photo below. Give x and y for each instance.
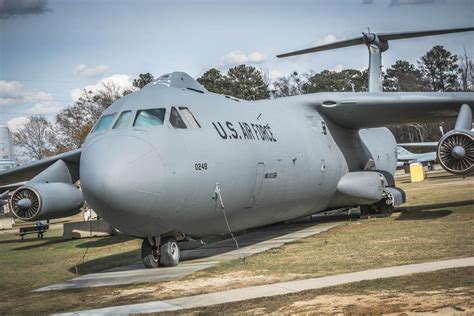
(150, 254)
(169, 251)
(385, 208)
(365, 211)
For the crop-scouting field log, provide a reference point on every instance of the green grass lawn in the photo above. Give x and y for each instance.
(33, 263)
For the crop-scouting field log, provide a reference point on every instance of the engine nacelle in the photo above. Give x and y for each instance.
(38, 201)
(456, 152)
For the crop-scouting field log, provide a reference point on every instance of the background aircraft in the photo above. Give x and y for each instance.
(173, 161)
(405, 158)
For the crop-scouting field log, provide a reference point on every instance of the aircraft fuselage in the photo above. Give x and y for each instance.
(273, 160)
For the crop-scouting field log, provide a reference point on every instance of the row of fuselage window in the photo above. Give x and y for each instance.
(180, 117)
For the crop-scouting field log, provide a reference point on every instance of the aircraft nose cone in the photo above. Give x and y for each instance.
(121, 178)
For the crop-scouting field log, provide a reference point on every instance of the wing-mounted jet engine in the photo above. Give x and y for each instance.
(456, 148)
(50, 194)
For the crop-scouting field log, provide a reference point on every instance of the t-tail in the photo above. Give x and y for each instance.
(377, 43)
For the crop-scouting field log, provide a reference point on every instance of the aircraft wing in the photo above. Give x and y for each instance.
(14, 177)
(365, 110)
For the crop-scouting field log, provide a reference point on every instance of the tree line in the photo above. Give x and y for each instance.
(437, 70)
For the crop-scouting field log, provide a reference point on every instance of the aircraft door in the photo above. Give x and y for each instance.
(323, 154)
(257, 187)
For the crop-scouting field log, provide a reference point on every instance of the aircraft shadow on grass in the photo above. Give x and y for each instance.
(424, 211)
(45, 242)
(103, 263)
(423, 215)
(106, 241)
(37, 243)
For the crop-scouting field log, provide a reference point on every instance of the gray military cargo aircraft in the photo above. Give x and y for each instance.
(173, 161)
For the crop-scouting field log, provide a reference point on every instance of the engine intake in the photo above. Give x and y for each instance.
(38, 201)
(456, 152)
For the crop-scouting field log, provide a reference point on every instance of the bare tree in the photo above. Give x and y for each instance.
(36, 138)
(466, 71)
(290, 85)
(74, 123)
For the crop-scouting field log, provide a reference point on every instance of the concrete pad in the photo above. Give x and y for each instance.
(85, 229)
(202, 258)
(6, 223)
(282, 288)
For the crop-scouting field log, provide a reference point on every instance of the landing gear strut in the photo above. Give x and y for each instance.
(383, 208)
(160, 251)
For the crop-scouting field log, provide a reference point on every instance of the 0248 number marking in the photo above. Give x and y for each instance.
(201, 166)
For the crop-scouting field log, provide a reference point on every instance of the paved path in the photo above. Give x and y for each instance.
(276, 288)
(204, 257)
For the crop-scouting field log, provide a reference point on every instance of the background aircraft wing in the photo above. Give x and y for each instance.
(365, 110)
(14, 177)
(420, 144)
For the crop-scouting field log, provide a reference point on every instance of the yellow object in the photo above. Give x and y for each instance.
(416, 172)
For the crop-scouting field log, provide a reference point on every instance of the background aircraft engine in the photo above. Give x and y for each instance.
(38, 201)
(456, 152)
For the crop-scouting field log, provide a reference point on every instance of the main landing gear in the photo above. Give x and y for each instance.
(160, 252)
(383, 208)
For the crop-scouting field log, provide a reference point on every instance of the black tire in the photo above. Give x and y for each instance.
(385, 209)
(150, 255)
(170, 252)
(365, 210)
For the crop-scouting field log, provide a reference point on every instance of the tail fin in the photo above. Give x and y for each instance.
(377, 43)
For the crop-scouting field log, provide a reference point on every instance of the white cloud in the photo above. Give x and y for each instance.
(10, 88)
(237, 57)
(45, 108)
(274, 74)
(330, 38)
(121, 81)
(13, 92)
(16, 123)
(83, 70)
(338, 68)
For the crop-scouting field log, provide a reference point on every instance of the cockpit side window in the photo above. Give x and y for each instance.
(175, 119)
(122, 121)
(188, 117)
(104, 123)
(150, 117)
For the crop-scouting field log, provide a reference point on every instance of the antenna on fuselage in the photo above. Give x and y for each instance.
(377, 43)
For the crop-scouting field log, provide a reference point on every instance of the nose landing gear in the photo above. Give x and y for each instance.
(160, 252)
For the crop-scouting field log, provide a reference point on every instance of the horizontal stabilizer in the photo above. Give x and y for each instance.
(404, 35)
(376, 38)
(345, 43)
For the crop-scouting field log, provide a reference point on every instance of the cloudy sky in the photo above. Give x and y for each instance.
(51, 50)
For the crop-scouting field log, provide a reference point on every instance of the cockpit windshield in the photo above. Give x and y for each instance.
(104, 123)
(175, 119)
(122, 121)
(150, 117)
